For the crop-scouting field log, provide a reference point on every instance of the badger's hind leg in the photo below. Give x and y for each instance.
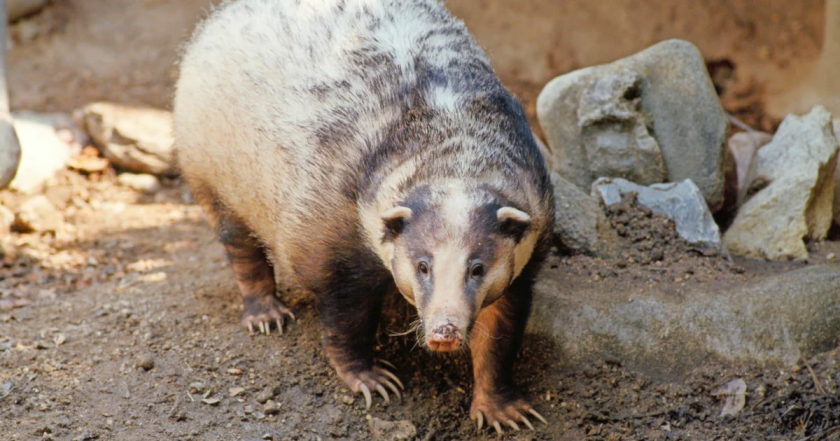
(254, 275)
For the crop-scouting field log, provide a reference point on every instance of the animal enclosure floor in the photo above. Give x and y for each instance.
(140, 282)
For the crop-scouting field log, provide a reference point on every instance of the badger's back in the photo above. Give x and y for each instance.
(286, 110)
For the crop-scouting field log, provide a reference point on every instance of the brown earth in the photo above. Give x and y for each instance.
(108, 326)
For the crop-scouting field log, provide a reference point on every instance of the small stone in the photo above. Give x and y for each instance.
(140, 182)
(271, 407)
(234, 371)
(346, 399)
(264, 395)
(197, 388)
(735, 394)
(59, 339)
(248, 409)
(382, 430)
(146, 362)
(136, 139)
(214, 401)
(234, 391)
(38, 214)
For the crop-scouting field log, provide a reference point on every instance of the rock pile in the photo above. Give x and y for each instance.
(645, 137)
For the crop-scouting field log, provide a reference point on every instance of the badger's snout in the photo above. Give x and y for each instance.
(445, 338)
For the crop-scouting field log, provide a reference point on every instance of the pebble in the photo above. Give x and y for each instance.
(211, 401)
(147, 362)
(271, 408)
(346, 399)
(265, 395)
(140, 182)
(234, 391)
(38, 214)
(197, 388)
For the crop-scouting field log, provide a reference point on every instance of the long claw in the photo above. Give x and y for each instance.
(498, 428)
(262, 327)
(292, 315)
(366, 392)
(513, 425)
(391, 375)
(279, 326)
(537, 416)
(383, 392)
(480, 417)
(527, 423)
(267, 328)
(386, 363)
(393, 389)
(251, 328)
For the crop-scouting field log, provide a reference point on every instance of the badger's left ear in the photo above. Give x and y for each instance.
(514, 221)
(395, 220)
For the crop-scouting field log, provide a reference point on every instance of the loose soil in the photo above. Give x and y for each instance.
(125, 323)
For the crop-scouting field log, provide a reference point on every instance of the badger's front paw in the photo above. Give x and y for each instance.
(497, 411)
(377, 378)
(262, 312)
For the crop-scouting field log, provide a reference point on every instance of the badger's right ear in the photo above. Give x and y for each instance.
(395, 220)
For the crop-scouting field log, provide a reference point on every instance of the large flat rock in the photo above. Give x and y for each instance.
(774, 320)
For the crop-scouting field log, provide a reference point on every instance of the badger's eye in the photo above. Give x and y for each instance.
(477, 270)
(423, 268)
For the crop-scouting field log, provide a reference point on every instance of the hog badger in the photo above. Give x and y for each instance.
(350, 147)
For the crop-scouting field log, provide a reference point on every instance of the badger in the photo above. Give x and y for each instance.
(350, 147)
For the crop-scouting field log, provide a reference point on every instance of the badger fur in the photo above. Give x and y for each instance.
(349, 147)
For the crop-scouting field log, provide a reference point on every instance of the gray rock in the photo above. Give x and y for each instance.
(580, 224)
(43, 151)
(382, 430)
(146, 362)
(744, 146)
(9, 150)
(39, 215)
(680, 201)
(837, 178)
(613, 132)
(546, 153)
(679, 109)
(136, 139)
(775, 321)
(140, 182)
(21, 8)
(789, 192)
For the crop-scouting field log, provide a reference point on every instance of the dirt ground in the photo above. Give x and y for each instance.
(125, 324)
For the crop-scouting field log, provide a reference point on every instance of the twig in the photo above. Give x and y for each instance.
(739, 123)
(817, 384)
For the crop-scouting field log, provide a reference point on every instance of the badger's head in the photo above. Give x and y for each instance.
(453, 250)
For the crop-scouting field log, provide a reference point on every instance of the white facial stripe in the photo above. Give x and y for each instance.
(448, 302)
(455, 210)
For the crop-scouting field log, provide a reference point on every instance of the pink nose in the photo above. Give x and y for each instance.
(444, 338)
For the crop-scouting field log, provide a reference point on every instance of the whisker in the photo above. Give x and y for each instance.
(412, 327)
